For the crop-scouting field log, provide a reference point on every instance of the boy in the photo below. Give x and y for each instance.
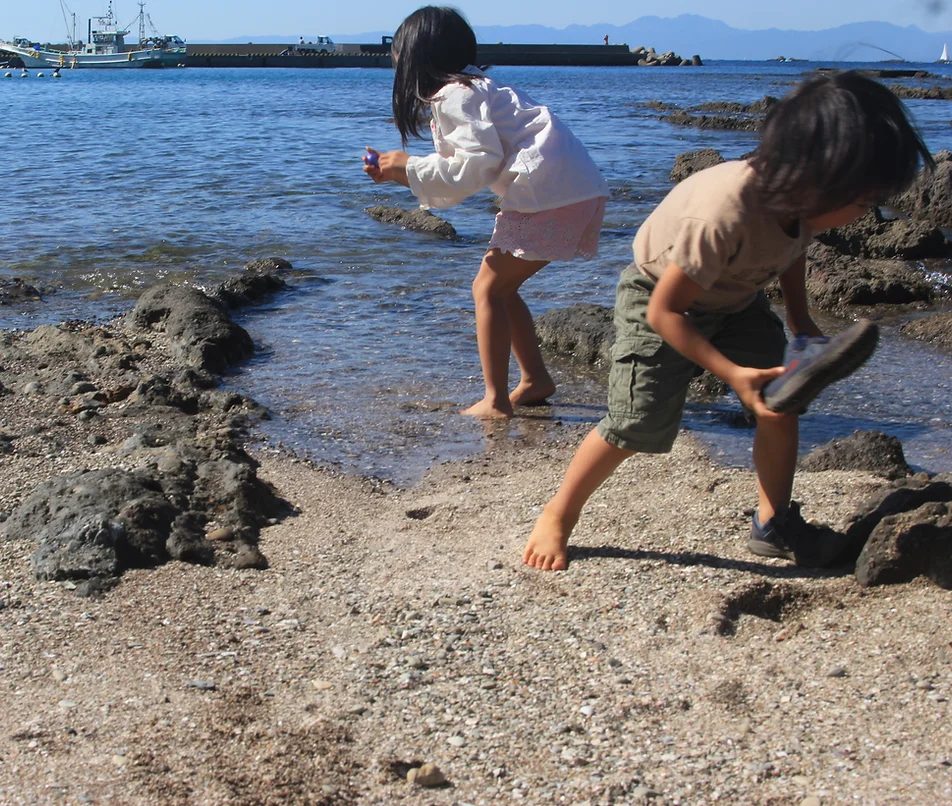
(692, 299)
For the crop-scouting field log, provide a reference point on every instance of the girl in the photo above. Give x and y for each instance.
(489, 135)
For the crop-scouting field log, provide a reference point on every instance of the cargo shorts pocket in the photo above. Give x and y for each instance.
(635, 379)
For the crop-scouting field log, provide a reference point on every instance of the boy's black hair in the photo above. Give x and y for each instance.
(835, 140)
(430, 49)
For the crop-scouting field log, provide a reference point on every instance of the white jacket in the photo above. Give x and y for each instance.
(492, 136)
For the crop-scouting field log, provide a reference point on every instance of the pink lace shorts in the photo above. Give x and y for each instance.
(559, 234)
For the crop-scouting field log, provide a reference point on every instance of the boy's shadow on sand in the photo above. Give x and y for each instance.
(691, 558)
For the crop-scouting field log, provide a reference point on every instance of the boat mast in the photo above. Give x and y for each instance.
(70, 32)
(141, 21)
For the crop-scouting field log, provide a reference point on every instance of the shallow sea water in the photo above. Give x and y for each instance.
(117, 179)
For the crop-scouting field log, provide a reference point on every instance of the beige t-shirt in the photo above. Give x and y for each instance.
(712, 227)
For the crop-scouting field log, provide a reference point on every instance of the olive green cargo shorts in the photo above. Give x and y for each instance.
(649, 379)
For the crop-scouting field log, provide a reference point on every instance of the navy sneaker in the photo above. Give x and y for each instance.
(813, 363)
(789, 536)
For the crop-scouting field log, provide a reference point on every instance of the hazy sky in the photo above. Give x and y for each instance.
(204, 20)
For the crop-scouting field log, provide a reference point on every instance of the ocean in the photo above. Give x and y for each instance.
(114, 180)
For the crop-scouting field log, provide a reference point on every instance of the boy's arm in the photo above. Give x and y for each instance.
(793, 283)
(670, 300)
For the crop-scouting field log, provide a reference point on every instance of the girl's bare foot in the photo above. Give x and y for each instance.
(532, 393)
(547, 548)
(487, 409)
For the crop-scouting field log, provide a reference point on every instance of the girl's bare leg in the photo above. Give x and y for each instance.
(499, 277)
(594, 461)
(535, 383)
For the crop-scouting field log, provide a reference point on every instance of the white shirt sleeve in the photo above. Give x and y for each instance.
(470, 155)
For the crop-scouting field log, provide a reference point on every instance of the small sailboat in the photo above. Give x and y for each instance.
(944, 58)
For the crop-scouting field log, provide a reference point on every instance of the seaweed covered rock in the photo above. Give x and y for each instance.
(935, 329)
(930, 196)
(690, 162)
(874, 236)
(722, 115)
(837, 281)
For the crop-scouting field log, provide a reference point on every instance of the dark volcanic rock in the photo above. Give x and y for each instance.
(875, 237)
(837, 281)
(269, 265)
(177, 439)
(583, 332)
(862, 450)
(723, 115)
(690, 162)
(15, 290)
(260, 279)
(907, 545)
(930, 197)
(200, 331)
(934, 93)
(100, 523)
(886, 541)
(719, 122)
(935, 329)
(417, 220)
(94, 524)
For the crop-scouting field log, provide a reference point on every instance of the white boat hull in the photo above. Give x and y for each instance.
(153, 57)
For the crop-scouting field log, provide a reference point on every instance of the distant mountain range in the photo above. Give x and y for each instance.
(691, 34)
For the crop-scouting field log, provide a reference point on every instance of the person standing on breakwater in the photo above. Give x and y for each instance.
(490, 135)
(693, 299)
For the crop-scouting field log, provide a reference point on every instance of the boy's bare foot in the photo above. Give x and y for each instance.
(487, 410)
(547, 548)
(531, 394)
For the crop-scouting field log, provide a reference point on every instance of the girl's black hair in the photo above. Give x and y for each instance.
(835, 140)
(430, 49)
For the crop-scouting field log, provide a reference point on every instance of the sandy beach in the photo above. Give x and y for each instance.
(396, 627)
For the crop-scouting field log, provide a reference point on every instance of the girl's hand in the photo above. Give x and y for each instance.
(372, 164)
(386, 166)
(748, 383)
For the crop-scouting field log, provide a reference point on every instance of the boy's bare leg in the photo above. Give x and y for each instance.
(535, 383)
(499, 277)
(594, 461)
(775, 458)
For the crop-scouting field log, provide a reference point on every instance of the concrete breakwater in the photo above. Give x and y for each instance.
(378, 55)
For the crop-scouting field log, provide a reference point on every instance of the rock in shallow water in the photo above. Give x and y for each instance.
(417, 220)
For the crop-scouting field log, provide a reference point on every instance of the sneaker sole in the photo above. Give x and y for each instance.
(764, 549)
(839, 362)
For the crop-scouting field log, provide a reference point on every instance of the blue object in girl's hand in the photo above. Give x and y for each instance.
(371, 158)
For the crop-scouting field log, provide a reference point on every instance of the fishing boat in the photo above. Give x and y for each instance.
(105, 46)
(944, 57)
